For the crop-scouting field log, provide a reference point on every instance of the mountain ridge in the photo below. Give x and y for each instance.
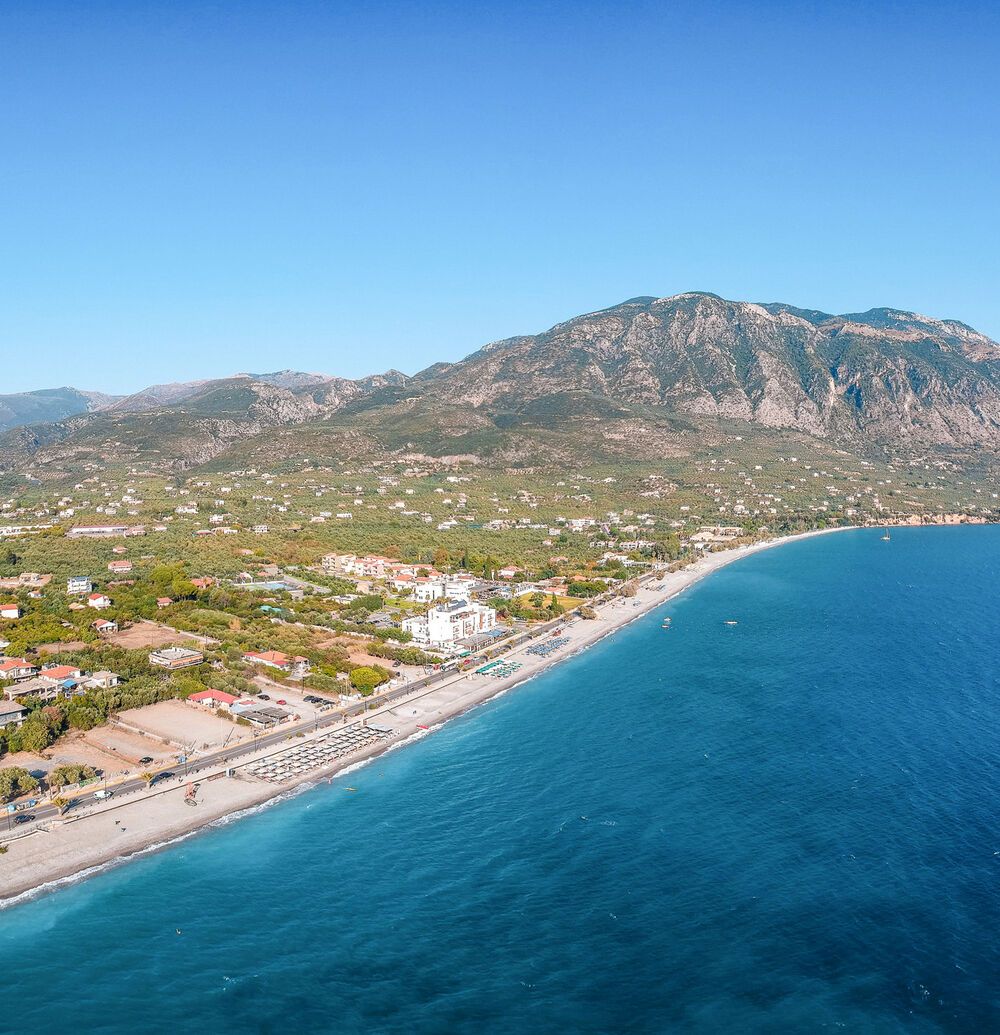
(885, 377)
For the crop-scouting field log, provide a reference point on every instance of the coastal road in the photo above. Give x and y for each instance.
(226, 757)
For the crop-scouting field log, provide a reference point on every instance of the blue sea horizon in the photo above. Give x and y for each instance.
(787, 824)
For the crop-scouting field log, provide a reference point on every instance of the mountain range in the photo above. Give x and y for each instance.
(634, 379)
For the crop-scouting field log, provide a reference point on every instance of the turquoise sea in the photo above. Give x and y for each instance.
(786, 825)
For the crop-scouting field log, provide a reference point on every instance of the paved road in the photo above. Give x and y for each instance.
(182, 773)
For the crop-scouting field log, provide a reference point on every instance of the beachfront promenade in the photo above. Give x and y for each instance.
(228, 761)
(138, 819)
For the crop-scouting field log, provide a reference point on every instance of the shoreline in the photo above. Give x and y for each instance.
(66, 851)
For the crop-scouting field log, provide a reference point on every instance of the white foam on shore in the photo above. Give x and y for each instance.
(312, 781)
(157, 846)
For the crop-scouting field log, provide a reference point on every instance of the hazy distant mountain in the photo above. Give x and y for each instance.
(634, 379)
(49, 404)
(291, 379)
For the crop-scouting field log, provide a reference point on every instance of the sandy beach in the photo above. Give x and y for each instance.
(99, 835)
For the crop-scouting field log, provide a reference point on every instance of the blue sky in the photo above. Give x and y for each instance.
(189, 190)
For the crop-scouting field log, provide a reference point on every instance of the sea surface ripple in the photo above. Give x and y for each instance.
(787, 824)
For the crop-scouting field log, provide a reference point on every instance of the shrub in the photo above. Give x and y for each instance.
(15, 781)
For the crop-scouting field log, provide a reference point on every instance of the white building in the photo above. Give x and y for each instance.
(446, 624)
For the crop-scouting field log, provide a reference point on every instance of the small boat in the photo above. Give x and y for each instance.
(731, 621)
(421, 726)
(886, 538)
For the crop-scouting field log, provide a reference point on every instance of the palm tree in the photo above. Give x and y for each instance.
(61, 803)
(148, 777)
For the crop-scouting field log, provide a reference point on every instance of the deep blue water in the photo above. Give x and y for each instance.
(785, 825)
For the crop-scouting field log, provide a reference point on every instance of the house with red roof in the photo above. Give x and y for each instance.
(61, 672)
(99, 601)
(16, 668)
(295, 666)
(103, 625)
(214, 699)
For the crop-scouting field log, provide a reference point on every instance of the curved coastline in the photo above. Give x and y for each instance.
(88, 845)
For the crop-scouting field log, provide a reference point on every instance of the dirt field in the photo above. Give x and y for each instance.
(184, 724)
(35, 764)
(151, 634)
(139, 636)
(359, 656)
(126, 747)
(55, 648)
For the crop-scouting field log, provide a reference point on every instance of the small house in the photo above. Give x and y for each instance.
(102, 680)
(12, 713)
(16, 668)
(174, 658)
(297, 666)
(214, 699)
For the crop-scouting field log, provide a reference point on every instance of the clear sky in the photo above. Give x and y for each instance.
(193, 189)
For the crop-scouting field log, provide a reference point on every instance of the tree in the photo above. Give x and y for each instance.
(442, 559)
(148, 777)
(15, 781)
(366, 677)
(67, 774)
(33, 735)
(588, 588)
(61, 803)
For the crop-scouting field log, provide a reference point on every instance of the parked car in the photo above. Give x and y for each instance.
(103, 795)
(281, 700)
(145, 760)
(24, 817)
(263, 697)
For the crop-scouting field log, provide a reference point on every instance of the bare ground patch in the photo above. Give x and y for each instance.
(184, 724)
(138, 637)
(56, 648)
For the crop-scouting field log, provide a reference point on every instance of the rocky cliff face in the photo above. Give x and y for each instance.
(898, 376)
(861, 380)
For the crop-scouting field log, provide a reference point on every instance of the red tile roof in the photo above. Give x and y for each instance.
(213, 695)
